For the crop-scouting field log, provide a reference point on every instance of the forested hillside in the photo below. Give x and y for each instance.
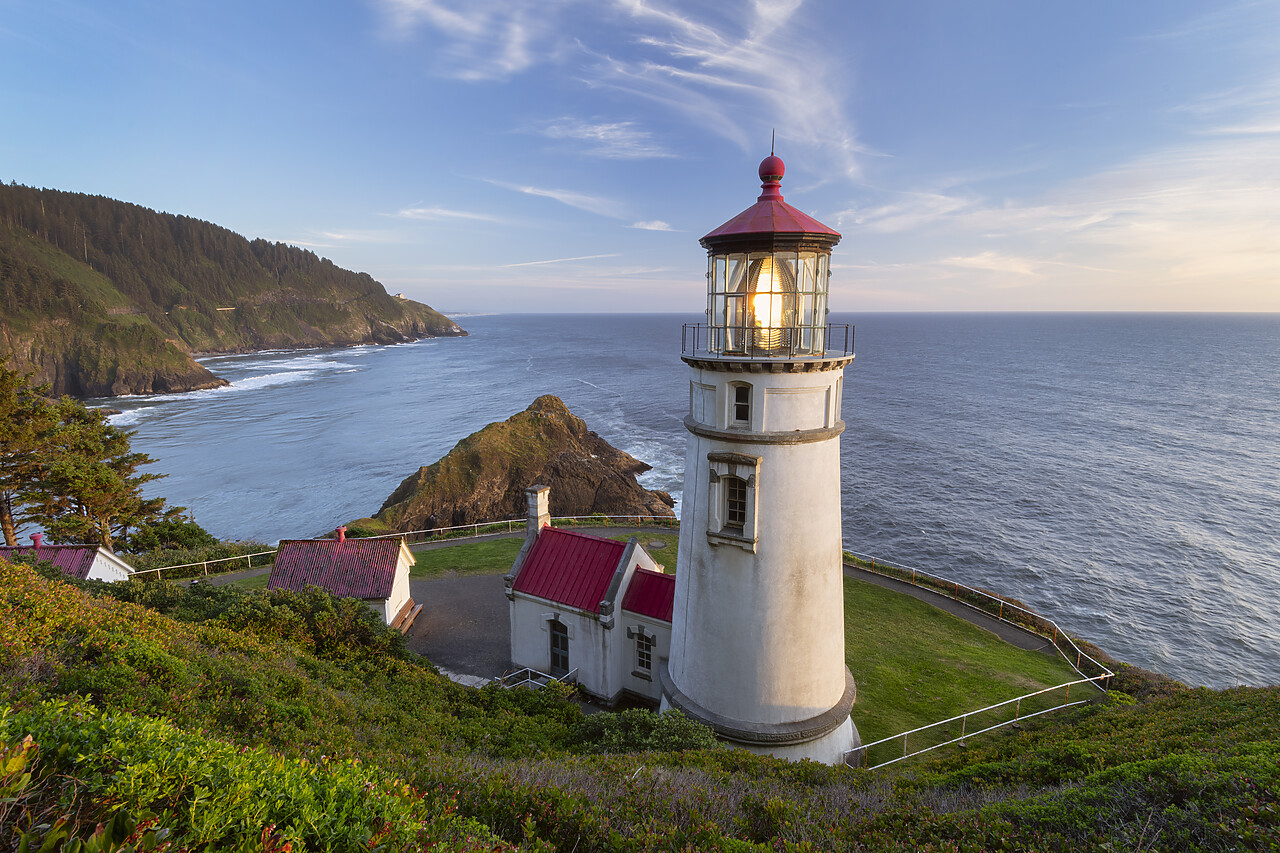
(100, 297)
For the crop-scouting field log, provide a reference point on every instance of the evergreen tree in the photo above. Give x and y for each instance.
(26, 422)
(89, 488)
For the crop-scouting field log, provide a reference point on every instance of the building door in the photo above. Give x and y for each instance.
(559, 649)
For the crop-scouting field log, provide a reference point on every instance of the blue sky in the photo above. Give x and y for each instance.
(553, 155)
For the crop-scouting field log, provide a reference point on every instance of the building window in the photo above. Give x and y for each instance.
(644, 653)
(735, 503)
(559, 648)
(741, 404)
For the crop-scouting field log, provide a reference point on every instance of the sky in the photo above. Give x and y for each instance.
(567, 155)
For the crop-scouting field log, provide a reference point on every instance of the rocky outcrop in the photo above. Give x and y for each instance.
(97, 362)
(484, 477)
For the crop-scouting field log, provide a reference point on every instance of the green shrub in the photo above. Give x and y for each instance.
(638, 730)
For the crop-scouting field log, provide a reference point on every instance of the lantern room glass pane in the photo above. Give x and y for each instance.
(767, 303)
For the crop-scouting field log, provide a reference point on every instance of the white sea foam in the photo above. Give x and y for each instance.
(127, 418)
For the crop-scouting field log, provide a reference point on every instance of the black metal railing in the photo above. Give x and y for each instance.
(833, 340)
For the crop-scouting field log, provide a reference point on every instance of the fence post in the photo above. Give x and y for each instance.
(206, 568)
(1067, 696)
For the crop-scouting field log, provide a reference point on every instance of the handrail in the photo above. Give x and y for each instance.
(511, 525)
(248, 558)
(481, 528)
(825, 340)
(1033, 622)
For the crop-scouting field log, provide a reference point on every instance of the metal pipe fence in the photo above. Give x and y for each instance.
(1005, 611)
(989, 604)
(512, 525)
(205, 564)
(435, 534)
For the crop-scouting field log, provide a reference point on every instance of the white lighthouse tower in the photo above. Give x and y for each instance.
(757, 635)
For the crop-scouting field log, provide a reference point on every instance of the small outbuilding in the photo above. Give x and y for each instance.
(596, 609)
(81, 562)
(376, 571)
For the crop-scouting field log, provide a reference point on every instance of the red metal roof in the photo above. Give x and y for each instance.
(354, 568)
(650, 594)
(74, 560)
(770, 214)
(570, 568)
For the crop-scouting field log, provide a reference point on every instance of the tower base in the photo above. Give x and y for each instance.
(831, 748)
(827, 737)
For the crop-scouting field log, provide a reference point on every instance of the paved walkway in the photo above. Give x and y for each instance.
(464, 627)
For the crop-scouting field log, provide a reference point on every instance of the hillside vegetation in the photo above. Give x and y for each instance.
(100, 297)
(237, 720)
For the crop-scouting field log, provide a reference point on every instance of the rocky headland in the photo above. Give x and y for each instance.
(484, 477)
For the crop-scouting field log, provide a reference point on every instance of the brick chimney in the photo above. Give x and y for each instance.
(539, 498)
(37, 540)
(342, 535)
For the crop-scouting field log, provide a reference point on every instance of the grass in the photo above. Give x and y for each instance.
(495, 556)
(472, 558)
(916, 664)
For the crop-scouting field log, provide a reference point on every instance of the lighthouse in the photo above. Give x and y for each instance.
(757, 631)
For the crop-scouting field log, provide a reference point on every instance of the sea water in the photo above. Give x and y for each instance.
(1119, 473)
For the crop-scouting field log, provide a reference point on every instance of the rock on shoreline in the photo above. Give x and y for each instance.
(484, 477)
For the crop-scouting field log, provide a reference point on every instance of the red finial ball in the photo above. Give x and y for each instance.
(771, 168)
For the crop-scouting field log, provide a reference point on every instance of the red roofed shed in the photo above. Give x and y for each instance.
(81, 562)
(373, 570)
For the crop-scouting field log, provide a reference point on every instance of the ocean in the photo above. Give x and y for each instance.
(1119, 473)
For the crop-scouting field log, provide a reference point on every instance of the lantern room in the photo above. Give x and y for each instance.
(767, 282)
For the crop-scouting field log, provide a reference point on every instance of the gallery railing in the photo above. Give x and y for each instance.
(834, 340)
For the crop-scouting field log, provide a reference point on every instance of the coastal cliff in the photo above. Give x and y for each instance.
(101, 298)
(484, 477)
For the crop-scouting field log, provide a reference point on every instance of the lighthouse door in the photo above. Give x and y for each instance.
(559, 648)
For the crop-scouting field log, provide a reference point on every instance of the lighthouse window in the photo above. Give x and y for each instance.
(731, 510)
(735, 503)
(741, 404)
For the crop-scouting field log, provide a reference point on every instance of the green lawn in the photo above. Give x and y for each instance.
(916, 664)
(496, 555)
(256, 582)
(470, 558)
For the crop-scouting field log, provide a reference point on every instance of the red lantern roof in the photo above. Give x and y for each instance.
(770, 214)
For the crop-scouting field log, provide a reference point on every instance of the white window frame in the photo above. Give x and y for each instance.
(646, 642)
(731, 412)
(723, 467)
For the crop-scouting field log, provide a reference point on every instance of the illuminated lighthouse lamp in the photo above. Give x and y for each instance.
(767, 277)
